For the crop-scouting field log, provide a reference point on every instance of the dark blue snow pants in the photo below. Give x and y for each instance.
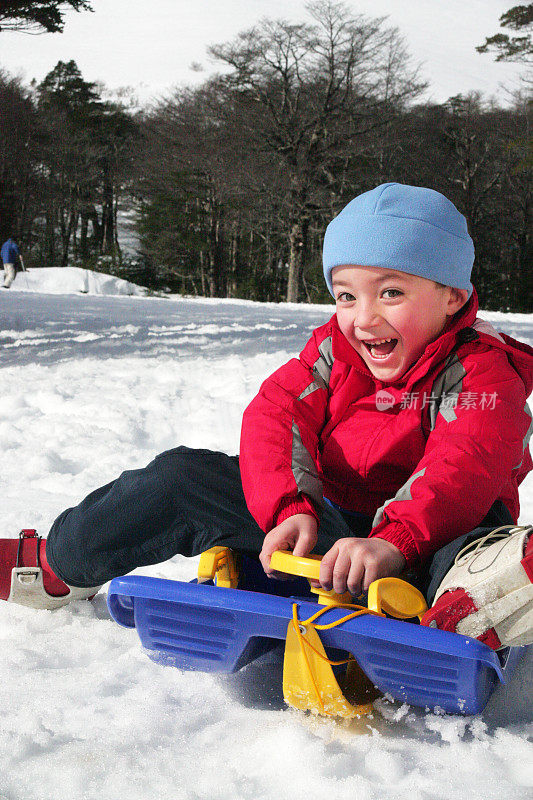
(186, 501)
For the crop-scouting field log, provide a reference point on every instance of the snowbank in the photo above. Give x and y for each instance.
(73, 280)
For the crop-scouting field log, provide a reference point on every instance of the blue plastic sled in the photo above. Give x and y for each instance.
(209, 628)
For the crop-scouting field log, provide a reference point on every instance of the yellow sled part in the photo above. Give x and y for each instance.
(309, 683)
(396, 598)
(308, 567)
(218, 563)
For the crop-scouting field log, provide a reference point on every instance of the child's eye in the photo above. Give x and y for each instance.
(391, 293)
(345, 297)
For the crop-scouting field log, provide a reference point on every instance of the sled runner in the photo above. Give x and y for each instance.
(338, 656)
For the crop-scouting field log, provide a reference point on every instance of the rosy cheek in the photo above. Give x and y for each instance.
(345, 325)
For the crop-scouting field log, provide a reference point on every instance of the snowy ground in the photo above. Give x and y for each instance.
(91, 385)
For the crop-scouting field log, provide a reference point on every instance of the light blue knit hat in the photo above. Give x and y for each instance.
(401, 227)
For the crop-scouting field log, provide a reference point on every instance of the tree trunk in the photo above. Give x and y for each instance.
(213, 255)
(522, 299)
(108, 217)
(297, 241)
(74, 234)
(212, 272)
(83, 235)
(202, 273)
(234, 249)
(50, 233)
(67, 236)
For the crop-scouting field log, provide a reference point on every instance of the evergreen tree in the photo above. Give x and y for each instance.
(86, 144)
(512, 48)
(20, 182)
(44, 16)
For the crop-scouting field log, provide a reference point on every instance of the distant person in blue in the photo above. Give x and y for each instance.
(11, 257)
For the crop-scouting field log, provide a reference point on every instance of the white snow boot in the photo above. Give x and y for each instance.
(488, 593)
(27, 578)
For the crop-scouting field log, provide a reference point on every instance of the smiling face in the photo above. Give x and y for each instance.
(389, 317)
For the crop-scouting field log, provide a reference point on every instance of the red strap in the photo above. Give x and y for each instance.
(491, 639)
(32, 553)
(451, 608)
(28, 550)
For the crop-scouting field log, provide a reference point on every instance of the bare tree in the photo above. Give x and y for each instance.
(315, 90)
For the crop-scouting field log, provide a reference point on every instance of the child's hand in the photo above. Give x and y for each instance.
(354, 563)
(297, 533)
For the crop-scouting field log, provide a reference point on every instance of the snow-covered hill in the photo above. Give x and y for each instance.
(93, 385)
(73, 280)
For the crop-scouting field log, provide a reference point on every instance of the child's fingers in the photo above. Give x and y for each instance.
(279, 541)
(305, 543)
(297, 533)
(372, 573)
(356, 577)
(270, 544)
(278, 576)
(326, 568)
(341, 571)
(264, 558)
(272, 573)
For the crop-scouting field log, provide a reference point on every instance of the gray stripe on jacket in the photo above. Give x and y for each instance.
(321, 369)
(403, 493)
(448, 384)
(527, 437)
(304, 469)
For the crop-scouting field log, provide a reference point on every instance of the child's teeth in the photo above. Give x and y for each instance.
(376, 353)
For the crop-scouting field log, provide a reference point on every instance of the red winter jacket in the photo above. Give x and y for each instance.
(425, 456)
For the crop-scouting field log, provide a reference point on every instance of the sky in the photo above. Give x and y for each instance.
(120, 46)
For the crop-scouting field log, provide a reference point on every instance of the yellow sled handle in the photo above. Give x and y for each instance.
(304, 567)
(397, 598)
(307, 567)
(392, 596)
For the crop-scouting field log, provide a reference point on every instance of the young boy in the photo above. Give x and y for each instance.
(396, 438)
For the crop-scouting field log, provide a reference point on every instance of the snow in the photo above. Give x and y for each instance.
(92, 385)
(69, 280)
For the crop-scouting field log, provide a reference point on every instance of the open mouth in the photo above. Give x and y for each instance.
(381, 348)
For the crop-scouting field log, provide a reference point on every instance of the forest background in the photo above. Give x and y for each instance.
(231, 183)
